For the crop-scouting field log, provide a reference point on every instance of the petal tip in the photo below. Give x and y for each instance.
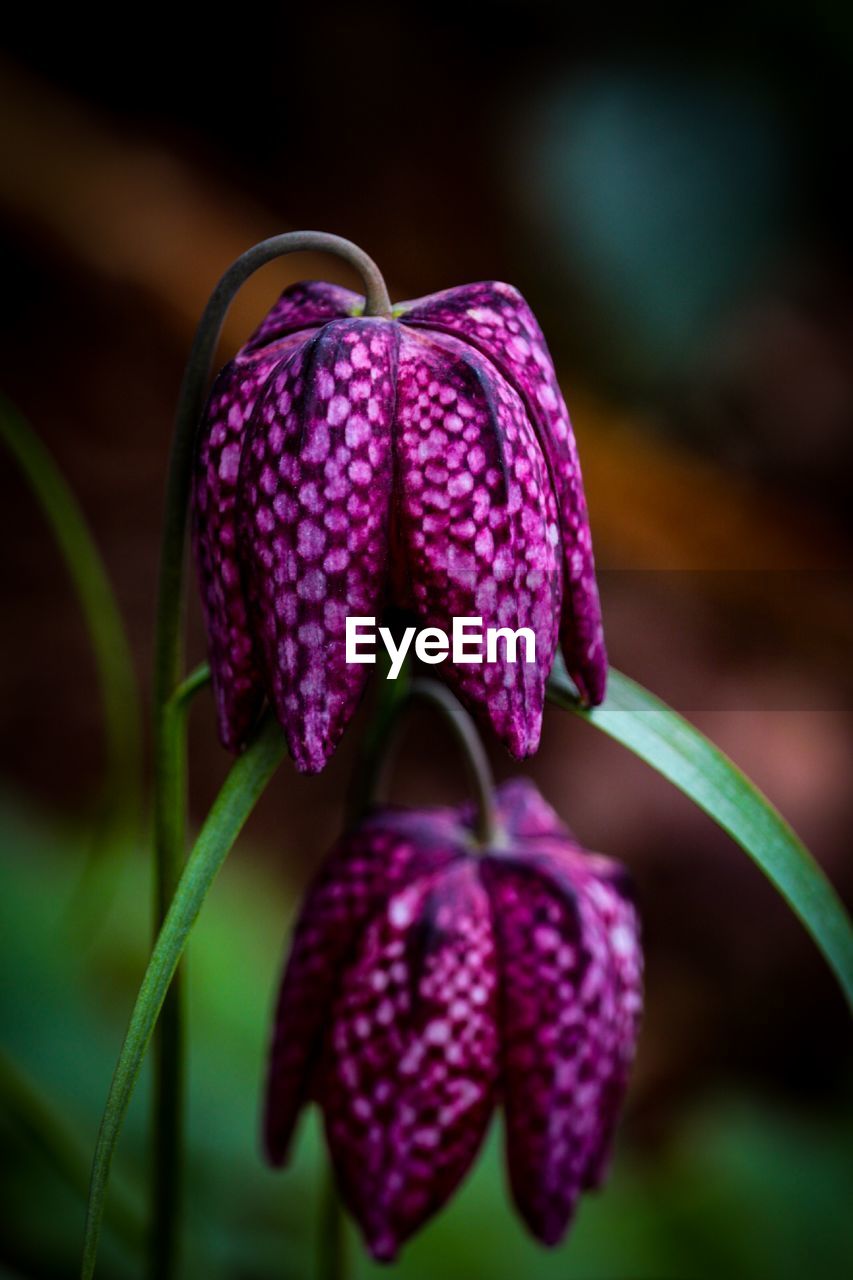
(523, 736)
(383, 1247)
(310, 765)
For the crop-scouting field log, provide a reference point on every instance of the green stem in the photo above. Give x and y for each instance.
(245, 783)
(455, 716)
(332, 1261)
(169, 1067)
(114, 664)
(170, 813)
(390, 698)
(195, 681)
(170, 750)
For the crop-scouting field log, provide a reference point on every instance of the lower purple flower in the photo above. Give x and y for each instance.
(428, 982)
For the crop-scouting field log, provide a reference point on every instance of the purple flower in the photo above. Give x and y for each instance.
(427, 983)
(428, 460)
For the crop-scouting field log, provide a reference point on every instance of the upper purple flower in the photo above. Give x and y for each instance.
(428, 983)
(427, 460)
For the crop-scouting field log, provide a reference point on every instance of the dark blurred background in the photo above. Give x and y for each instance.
(673, 198)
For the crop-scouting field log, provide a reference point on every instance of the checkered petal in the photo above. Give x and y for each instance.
(315, 491)
(495, 319)
(569, 961)
(525, 813)
(368, 865)
(412, 1060)
(237, 684)
(477, 524)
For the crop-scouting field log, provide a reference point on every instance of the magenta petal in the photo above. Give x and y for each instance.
(477, 523)
(367, 866)
(496, 320)
(614, 899)
(524, 813)
(412, 1058)
(315, 491)
(304, 306)
(237, 685)
(570, 970)
(428, 982)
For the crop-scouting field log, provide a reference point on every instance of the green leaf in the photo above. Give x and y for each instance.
(238, 796)
(679, 752)
(47, 1129)
(119, 695)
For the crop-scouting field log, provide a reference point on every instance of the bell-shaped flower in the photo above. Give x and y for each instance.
(427, 460)
(429, 983)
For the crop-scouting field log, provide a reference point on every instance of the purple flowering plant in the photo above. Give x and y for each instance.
(409, 464)
(432, 978)
(425, 459)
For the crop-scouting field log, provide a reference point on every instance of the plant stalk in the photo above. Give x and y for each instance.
(170, 749)
(237, 798)
(377, 774)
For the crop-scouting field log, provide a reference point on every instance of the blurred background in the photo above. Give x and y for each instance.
(671, 199)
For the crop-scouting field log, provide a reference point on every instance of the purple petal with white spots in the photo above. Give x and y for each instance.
(315, 492)
(426, 981)
(412, 1059)
(495, 319)
(525, 813)
(477, 524)
(353, 885)
(237, 685)
(570, 966)
(488, 518)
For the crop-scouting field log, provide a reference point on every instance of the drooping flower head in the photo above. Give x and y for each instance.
(426, 460)
(428, 983)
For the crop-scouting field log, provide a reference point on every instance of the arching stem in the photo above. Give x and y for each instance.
(438, 696)
(170, 752)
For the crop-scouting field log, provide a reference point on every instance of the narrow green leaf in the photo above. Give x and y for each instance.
(684, 756)
(238, 796)
(103, 621)
(45, 1126)
(197, 680)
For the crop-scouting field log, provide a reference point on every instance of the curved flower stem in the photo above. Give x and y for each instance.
(170, 763)
(437, 695)
(390, 700)
(195, 681)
